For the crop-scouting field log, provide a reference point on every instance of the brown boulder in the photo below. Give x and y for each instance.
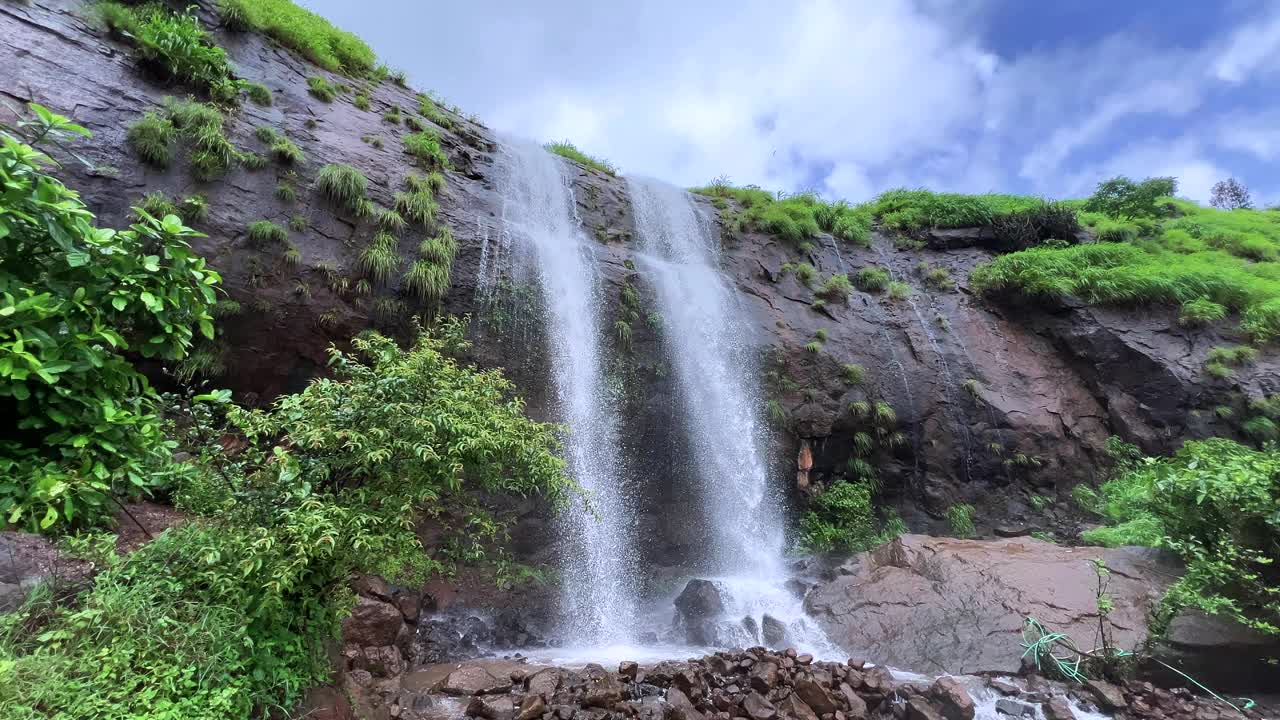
(1109, 696)
(920, 709)
(491, 708)
(1058, 709)
(757, 707)
(855, 706)
(953, 698)
(531, 708)
(473, 680)
(794, 708)
(372, 623)
(679, 707)
(764, 677)
(544, 682)
(603, 692)
(815, 696)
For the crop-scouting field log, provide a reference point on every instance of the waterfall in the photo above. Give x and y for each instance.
(540, 224)
(708, 341)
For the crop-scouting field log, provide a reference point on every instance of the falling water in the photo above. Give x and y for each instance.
(538, 214)
(703, 328)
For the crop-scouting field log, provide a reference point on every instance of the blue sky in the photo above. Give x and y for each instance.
(851, 98)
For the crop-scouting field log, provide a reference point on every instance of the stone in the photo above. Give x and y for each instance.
(757, 707)
(372, 623)
(793, 708)
(953, 699)
(1219, 652)
(679, 707)
(408, 604)
(698, 606)
(1058, 709)
(1109, 696)
(764, 676)
(969, 599)
(815, 696)
(473, 680)
(544, 682)
(531, 708)
(920, 709)
(628, 669)
(804, 659)
(491, 708)
(1003, 687)
(855, 706)
(385, 661)
(603, 692)
(1014, 708)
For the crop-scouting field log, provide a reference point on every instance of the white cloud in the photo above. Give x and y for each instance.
(1183, 158)
(854, 97)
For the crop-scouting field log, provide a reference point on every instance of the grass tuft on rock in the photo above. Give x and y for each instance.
(151, 138)
(343, 185)
(566, 149)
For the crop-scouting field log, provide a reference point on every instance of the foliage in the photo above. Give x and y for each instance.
(234, 14)
(853, 374)
(306, 33)
(908, 210)
(228, 616)
(898, 290)
(1201, 311)
(201, 124)
(842, 518)
(380, 259)
(392, 116)
(426, 147)
(79, 423)
(1216, 504)
(265, 232)
(119, 19)
(566, 149)
(1123, 198)
(321, 89)
(152, 138)
(1230, 194)
(418, 205)
(431, 110)
(343, 185)
(871, 279)
(361, 100)
(286, 152)
(178, 47)
(803, 271)
(258, 93)
(960, 519)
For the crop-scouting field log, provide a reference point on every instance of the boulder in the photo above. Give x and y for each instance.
(531, 708)
(628, 669)
(920, 709)
(698, 607)
(773, 632)
(947, 605)
(603, 692)
(953, 698)
(757, 707)
(855, 706)
(1015, 708)
(473, 680)
(815, 696)
(679, 707)
(544, 682)
(764, 676)
(1109, 696)
(491, 708)
(793, 708)
(1058, 709)
(372, 623)
(1217, 651)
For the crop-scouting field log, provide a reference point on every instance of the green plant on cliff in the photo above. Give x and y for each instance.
(79, 426)
(381, 258)
(960, 519)
(151, 138)
(343, 185)
(304, 32)
(228, 616)
(179, 48)
(871, 279)
(202, 125)
(1216, 504)
(321, 89)
(842, 518)
(566, 149)
(425, 146)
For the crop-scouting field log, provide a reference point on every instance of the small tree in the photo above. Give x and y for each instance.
(1124, 198)
(1230, 194)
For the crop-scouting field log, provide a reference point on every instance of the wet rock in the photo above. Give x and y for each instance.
(372, 623)
(531, 708)
(491, 708)
(855, 706)
(804, 659)
(1217, 651)
(473, 680)
(757, 707)
(1058, 709)
(603, 692)
(1014, 708)
(628, 669)
(698, 606)
(544, 682)
(815, 696)
(794, 708)
(953, 698)
(750, 627)
(920, 709)
(1109, 696)
(965, 601)
(773, 632)
(764, 676)
(679, 707)
(385, 661)
(1003, 687)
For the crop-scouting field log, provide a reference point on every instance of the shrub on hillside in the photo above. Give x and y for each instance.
(1123, 198)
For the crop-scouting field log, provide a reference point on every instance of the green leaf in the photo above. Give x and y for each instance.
(50, 517)
(119, 302)
(77, 259)
(206, 329)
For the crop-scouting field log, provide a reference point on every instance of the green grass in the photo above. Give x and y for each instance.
(252, 160)
(853, 374)
(151, 139)
(803, 271)
(380, 259)
(321, 89)
(566, 149)
(266, 134)
(392, 116)
(258, 93)
(440, 249)
(297, 223)
(201, 125)
(193, 209)
(960, 519)
(265, 232)
(427, 280)
(157, 205)
(431, 110)
(119, 19)
(343, 185)
(286, 152)
(390, 220)
(361, 100)
(285, 192)
(836, 287)
(898, 290)
(795, 218)
(177, 47)
(871, 279)
(306, 33)
(426, 147)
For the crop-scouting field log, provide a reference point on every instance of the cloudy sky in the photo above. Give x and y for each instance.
(853, 97)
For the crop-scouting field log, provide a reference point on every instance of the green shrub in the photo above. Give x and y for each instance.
(234, 14)
(121, 20)
(266, 134)
(566, 149)
(258, 93)
(286, 152)
(842, 518)
(1216, 504)
(431, 110)
(853, 374)
(193, 209)
(156, 204)
(871, 279)
(252, 160)
(310, 35)
(343, 185)
(898, 290)
(201, 124)
(960, 520)
(1121, 197)
(392, 116)
(297, 223)
(427, 280)
(80, 426)
(1201, 311)
(416, 206)
(321, 89)
(361, 100)
(265, 232)
(381, 258)
(803, 271)
(426, 147)
(152, 139)
(179, 48)
(285, 192)
(441, 249)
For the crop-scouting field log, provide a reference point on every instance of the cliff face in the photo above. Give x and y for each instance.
(998, 401)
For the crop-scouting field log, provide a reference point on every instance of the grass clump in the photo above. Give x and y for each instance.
(898, 290)
(392, 116)
(871, 279)
(297, 223)
(178, 48)
(285, 192)
(960, 520)
(265, 232)
(344, 186)
(258, 93)
(842, 518)
(361, 100)
(380, 259)
(120, 20)
(425, 146)
(201, 124)
(1201, 311)
(566, 149)
(286, 152)
(308, 34)
(853, 374)
(430, 109)
(151, 139)
(193, 209)
(321, 89)
(836, 287)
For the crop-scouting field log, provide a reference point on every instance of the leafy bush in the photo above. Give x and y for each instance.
(960, 519)
(836, 287)
(1021, 229)
(321, 89)
(568, 150)
(119, 19)
(201, 124)
(306, 33)
(853, 374)
(871, 279)
(229, 615)
(842, 518)
(78, 420)
(1216, 504)
(264, 232)
(426, 147)
(286, 152)
(1123, 198)
(898, 290)
(1201, 311)
(381, 258)
(258, 93)
(343, 185)
(152, 139)
(178, 47)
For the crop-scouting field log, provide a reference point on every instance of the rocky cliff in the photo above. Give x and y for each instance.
(1002, 403)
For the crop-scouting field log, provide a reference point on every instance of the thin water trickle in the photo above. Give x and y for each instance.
(704, 329)
(600, 573)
